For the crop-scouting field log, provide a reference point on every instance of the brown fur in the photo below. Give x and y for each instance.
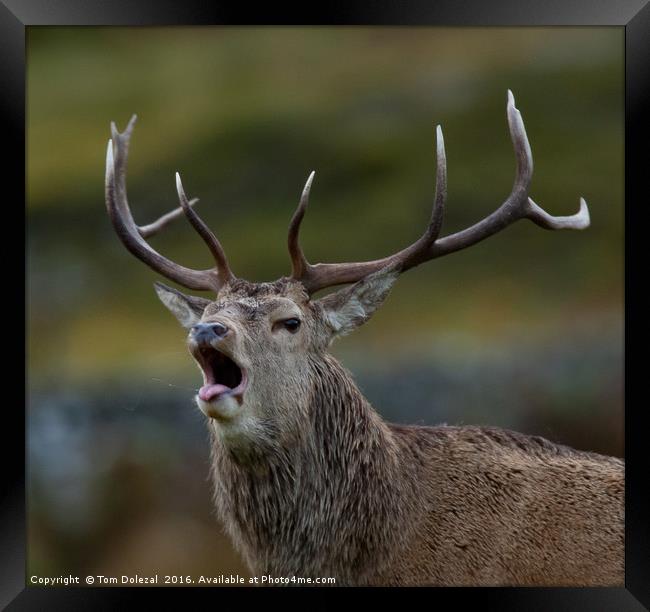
(310, 481)
(308, 478)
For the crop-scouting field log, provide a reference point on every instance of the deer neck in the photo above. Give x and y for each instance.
(319, 501)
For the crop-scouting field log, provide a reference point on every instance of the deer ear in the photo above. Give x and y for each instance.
(186, 308)
(346, 309)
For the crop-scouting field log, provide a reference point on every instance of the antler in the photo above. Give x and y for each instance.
(133, 236)
(517, 206)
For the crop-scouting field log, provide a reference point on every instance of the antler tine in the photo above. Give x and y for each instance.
(225, 274)
(418, 251)
(131, 235)
(539, 216)
(517, 206)
(151, 229)
(318, 276)
(438, 212)
(299, 263)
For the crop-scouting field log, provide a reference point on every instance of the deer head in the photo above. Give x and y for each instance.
(259, 345)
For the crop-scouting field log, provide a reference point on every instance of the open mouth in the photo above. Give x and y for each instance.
(221, 375)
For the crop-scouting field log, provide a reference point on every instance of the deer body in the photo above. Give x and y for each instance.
(368, 502)
(311, 482)
(497, 518)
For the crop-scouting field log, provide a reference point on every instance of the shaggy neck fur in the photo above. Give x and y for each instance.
(326, 503)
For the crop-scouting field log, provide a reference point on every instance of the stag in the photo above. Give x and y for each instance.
(310, 481)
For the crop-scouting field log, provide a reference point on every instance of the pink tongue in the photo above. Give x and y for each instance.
(208, 392)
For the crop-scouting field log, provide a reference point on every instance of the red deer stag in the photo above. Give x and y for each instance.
(310, 481)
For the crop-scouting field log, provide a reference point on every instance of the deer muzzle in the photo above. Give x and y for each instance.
(222, 375)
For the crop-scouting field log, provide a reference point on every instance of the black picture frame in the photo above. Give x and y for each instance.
(632, 15)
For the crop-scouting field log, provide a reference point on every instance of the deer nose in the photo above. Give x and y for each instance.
(205, 333)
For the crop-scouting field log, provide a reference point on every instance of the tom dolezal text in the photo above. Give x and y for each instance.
(220, 579)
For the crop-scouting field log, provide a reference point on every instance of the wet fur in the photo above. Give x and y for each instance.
(312, 482)
(373, 503)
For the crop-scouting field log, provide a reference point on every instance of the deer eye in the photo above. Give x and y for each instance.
(290, 325)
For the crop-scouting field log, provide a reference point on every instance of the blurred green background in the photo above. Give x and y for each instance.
(521, 331)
